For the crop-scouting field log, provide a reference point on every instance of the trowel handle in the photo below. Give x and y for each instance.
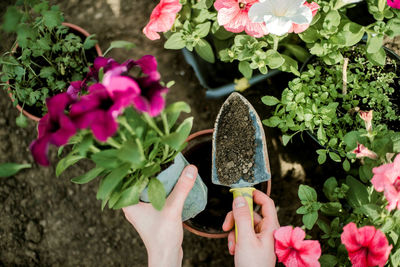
(247, 193)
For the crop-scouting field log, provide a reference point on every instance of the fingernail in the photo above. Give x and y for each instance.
(190, 172)
(230, 243)
(240, 202)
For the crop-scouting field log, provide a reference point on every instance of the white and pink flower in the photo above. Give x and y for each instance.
(362, 152)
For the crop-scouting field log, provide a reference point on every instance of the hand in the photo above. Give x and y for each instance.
(254, 246)
(162, 231)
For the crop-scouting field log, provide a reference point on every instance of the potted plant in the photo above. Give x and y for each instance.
(47, 55)
(223, 31)
(327, 101)
(121, 124)
(343, 23)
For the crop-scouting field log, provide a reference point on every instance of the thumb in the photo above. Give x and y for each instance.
(182, 188)
(241, 213)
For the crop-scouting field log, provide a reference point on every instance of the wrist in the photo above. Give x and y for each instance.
(165, 258)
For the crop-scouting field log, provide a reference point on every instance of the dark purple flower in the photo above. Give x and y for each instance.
(75, 88)
(54, 128)
(99, 109)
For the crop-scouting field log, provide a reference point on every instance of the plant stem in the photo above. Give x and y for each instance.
(152, 124)
(344, 73)
(165, 122)
(276, 42)
(113, 143)
(94, 149)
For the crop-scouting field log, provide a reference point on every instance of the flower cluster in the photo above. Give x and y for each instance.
(110, 89)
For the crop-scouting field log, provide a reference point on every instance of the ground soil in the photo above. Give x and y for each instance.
(49, 221)
(235, 143)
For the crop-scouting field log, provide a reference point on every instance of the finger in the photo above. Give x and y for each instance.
(182, 188)
(231, 243)
(134, 211)
(268, 210)
(257, 218)
(229, 222)
(241, 214)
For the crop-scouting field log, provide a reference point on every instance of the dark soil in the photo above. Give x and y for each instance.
(235, 143)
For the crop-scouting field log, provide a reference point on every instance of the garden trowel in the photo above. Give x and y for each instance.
(239, 149)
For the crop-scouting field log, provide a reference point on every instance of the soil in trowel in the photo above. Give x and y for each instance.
(235, 144)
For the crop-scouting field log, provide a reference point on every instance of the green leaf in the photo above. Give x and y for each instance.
(87, 177)
(11, 19)
(298, 51)
(374, 43)
(130, 196)
(157, 193)
(177, 138)
(274, 60)
(107, 159)
(47, 72)
(328, 260)
(307, 193)
(204, 49)
(286, 139)
(353, 33)
(52, 19)
(203, 29)
(335, 157)
(132, 151)
(89, 42)
(322, 158)
(66, 162)
(370, 210)
(310, 219)
(174, 110)
(331, 208)
(346, 165)
(175, 41)
(329, 188)
(244, 68)
(270, 100)
(111, 181)
(21, 121)
(324, 226)
(9, 169)
(378, 58)
(121, 44)
(357, 194)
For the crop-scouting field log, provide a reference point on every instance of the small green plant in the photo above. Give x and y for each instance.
(325, 100)
(46, 55)
(9, 169)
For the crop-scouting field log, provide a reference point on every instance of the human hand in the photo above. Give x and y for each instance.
(162, 231)
(254, 246)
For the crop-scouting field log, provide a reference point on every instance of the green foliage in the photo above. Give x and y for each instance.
(48, 55)
(315, 102)
(10, 169)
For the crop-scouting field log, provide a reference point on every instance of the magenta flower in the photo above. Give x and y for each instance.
(75, 88)
(387, 178)
(298, 28)
(361, 152)
(366, 246)
(366, 116)
(233, 15)
(54, 128)
(162, 18)
(99, 109)
(394, 3)
(292, 250)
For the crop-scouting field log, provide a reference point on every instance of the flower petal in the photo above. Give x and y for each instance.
(39, 149)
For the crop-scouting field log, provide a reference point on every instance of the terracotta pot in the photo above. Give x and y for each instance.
(69, 25)
(203, 137)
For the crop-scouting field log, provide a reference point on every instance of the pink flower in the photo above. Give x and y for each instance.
(367, 118)
(366, 246)
(293, 251)
(394, 3)
(296, 28)
(233, 15)
(361, 152)
(162, 18)
(387, 178)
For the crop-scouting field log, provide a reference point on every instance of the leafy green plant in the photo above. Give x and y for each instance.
(9, 169)
(46, 55)
(325, 101)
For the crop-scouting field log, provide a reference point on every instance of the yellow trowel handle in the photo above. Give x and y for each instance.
(247, 193)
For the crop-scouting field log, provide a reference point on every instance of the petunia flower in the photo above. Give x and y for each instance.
(54, 128)
(296, 28)
(99, 109)
(233, 15)
(162, 18)
(361, 152)
(292, 250)
(366, 116)
(75, 88)
(394, 3)
(279, 16)
(387, 179)
(367, 246)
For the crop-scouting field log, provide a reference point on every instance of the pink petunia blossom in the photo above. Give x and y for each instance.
(387, 179)
(366, 246)
(366, 116)
(162, 18)
(361, 152)
(233, 15)
(394, 3)
(293, 251)
(296, 28)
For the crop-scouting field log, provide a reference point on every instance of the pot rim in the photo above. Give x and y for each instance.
(198, 232)
(69, 25)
